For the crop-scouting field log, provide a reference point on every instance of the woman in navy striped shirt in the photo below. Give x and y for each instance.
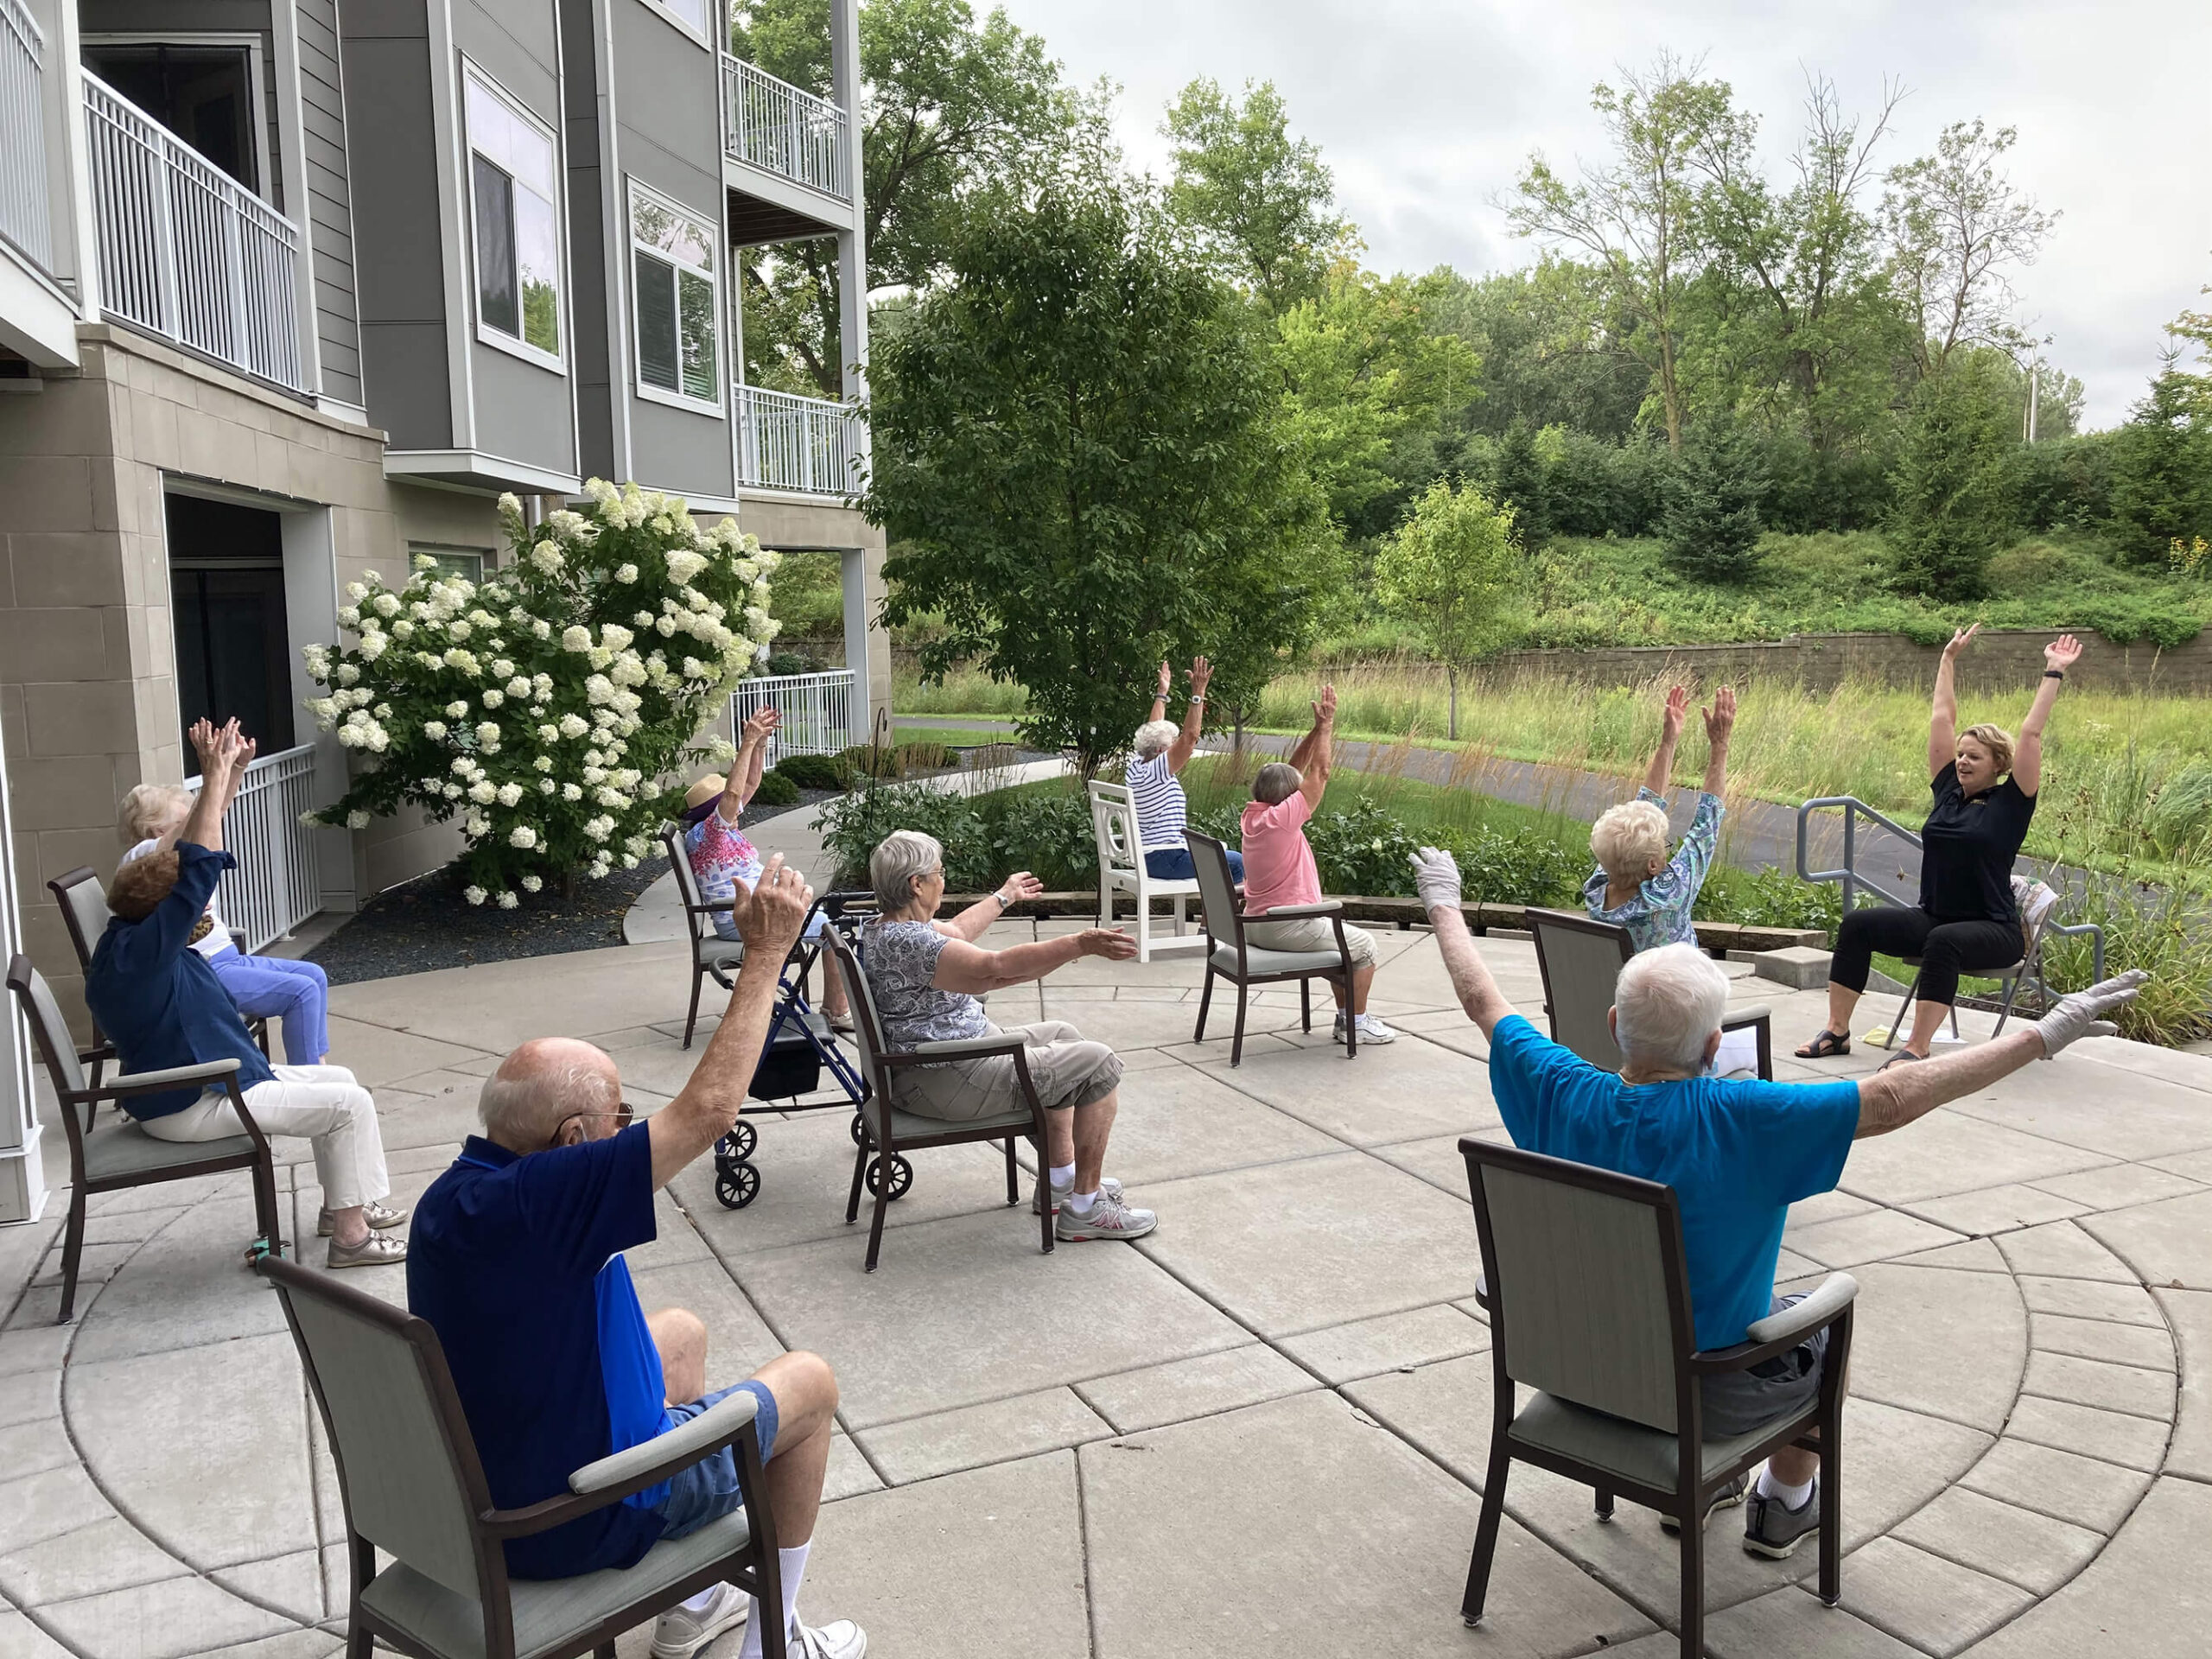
(1160, 751)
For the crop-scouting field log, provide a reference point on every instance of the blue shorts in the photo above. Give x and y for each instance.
(1175, 864)
(707, 1490)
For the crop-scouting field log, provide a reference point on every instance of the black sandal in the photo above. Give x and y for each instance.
(1822, 1046)
(1898, 1058)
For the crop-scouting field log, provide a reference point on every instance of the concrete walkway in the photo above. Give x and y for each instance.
(1260, 1432)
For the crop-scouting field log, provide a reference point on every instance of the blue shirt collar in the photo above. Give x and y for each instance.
(486, 1154)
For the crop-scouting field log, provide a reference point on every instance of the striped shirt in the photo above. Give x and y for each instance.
(1159, 797)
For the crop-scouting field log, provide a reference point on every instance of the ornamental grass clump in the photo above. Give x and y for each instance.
(546, 705)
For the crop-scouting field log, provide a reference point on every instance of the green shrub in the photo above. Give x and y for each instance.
(2165, 930)
(1366, 851)
(809, 772)
(1768, 899)
(1046, 832)
(775, 790)
(865, 761)
(1523, 868)
(854, 826)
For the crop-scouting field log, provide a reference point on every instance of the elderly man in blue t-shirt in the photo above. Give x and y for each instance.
(1738, 1153)
(517, 1263)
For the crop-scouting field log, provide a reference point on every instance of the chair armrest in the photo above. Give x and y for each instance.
(1298, 912)
(1737, 1019)
(680, 1448)
(1780, 1331)
(961, 1048)
(175, 1077)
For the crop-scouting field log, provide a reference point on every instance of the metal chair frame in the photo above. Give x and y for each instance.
(2030, 966)
(1230, 931)
(1760, 1020)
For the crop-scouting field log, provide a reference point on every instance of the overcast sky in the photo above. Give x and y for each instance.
(1426, 109)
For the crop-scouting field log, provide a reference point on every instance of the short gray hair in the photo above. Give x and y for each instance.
(1666, 1005)
(1275, 783)
(147, 805)
(1627, 837)
(525, 1108)
(891, 867)
(1155, 737)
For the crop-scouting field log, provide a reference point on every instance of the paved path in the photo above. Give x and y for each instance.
(1260, 1432)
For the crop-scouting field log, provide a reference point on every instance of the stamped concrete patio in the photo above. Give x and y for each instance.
(1261, 1431)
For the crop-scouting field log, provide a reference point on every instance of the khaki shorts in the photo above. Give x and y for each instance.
(1067, 1071)
(1312, 933)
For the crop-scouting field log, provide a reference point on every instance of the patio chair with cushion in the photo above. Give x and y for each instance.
(885, 1134)
(107, 1157)
(1122, 869)
(1245, 965)
(1589, 1305)
(710, 957)
(1581, 961)
(412, 1487)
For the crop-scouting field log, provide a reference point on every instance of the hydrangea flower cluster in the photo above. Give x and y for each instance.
(553, 705)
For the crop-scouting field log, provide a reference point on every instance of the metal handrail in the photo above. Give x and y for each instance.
(808, 445)
(1851, 878)
(817, 710)
(276, 884)
(24, 221)
(786, 130)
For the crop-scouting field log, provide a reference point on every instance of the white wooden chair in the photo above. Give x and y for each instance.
(1121, 869)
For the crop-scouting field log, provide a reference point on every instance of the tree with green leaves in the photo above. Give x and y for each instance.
(1080, 462)
(1518, 482)
(951, 105)
(1712, 525)
(1553, 344)
(2162, 471)
(1262, 201)
(1451, 571)
(1954, 481)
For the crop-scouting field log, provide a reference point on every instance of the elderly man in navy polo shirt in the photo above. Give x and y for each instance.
(517, 1263)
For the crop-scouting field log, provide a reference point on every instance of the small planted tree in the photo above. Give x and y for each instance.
(1953, 484)
(1519, 483)
(547, 706)
(1450, 572)
(1711, 525)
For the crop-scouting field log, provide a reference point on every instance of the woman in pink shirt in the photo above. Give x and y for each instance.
(1280, 873)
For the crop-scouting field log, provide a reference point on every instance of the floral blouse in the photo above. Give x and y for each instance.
(720, 858)
(1660, 912)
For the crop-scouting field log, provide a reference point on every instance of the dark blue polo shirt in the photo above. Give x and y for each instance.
(513, 1262)
(157, 1000)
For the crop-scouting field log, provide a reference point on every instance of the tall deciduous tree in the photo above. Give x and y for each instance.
(1080, 462)
(1263, 202)
(1450, 571)
(1954, 480)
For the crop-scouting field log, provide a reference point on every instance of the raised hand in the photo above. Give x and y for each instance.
(761, 725)
(1166, 681)
(1673, 713)
(1324, 711)
(1720, 718)
(1436, 879)
(2062, 652)
(769, 918)
(1961, 639)
(1201, 672)
(1020, 885)
(1107, 941)
(203, 740)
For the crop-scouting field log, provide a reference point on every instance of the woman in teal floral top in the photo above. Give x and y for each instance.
(1636, 885)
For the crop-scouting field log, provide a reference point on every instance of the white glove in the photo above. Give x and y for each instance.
(1436, 878)
(2077, 1016)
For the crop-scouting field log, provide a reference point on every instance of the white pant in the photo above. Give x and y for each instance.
(320, 1101)
(1738, 1054)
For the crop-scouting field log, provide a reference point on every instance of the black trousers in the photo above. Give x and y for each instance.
(1945, 949)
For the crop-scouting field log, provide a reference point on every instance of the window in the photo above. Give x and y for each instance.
(672, 279)
(206, 94)
(689, 14)
(226, 605)
(512, 168)
(467, 563)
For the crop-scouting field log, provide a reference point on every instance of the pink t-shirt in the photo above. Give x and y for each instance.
(1278, 864)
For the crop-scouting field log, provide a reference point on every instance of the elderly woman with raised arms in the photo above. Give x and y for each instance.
(928, 978)
(1157, 756)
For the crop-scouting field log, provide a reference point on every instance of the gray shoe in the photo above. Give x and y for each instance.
(1108, 1219)
(1108, 1187)
(679, 1633)
(1775, 1532)
(378, 1214)
(377, 1250)
(1727, 1498)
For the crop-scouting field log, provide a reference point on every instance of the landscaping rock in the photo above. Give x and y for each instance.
(1800, 967)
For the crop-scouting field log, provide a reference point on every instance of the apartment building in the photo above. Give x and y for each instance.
(294, 288)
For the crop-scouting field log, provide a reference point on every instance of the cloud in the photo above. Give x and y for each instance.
(1426, 109)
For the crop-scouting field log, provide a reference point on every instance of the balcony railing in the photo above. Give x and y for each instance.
(774, 125)
(817, 710)
(24, 219)
(805, 444)
(188, 252)
(277, 885)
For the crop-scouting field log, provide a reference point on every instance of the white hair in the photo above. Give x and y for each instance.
(1627, 837)
(150, 806)
(891, 867)
(526, 1108)
(1667, 1006)
(1155, 737)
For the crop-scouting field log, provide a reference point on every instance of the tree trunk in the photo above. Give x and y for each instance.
(1451, 719)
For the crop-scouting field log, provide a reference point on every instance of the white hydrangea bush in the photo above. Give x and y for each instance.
(550, 707)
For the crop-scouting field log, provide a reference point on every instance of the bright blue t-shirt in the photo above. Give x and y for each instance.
(513, 1261)
(1737, 1154)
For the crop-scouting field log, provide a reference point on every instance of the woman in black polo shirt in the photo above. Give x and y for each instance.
(1967, 921)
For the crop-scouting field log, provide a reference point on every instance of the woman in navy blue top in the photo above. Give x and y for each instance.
(1967, 921)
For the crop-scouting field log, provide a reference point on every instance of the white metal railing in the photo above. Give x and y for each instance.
(806, 444)
(188, 252)
(24, 219)
(774, 125)
(277, 885)
(817, 710)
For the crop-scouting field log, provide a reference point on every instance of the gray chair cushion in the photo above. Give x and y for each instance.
(1257, 960)
(117, 1148)
(907, 1126)
(550, 1610)
(720, 953)
(1630, 1450)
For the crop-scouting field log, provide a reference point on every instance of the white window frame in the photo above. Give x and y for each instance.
(677, 20)
(717, 406)
(499, 339)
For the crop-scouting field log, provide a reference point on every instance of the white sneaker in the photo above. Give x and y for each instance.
(840, 1640)
(1372, 1030)
(1110, 1217)
(679, 1633)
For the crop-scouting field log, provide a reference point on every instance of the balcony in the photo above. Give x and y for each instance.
(808, 445)
(23, 220)
(781, 129)
(186, 253)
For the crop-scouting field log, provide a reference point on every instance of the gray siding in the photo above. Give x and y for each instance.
(589, 358)
(384, 54)
(329, 207)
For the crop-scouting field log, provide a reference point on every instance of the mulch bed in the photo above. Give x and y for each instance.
(426, 924)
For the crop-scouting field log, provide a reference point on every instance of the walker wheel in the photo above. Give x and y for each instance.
(737, 1146)
(902, 1176)
(856, 1128)
(736, 1184)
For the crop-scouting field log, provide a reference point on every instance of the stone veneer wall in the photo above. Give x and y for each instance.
(88, 700)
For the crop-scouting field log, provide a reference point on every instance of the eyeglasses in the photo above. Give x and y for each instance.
(623, 1115)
